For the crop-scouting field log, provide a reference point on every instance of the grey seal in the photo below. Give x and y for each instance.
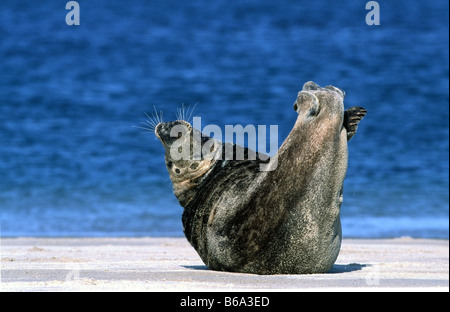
(282, 221)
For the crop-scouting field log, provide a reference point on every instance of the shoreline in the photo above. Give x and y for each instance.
(406, 237)
(171, 264)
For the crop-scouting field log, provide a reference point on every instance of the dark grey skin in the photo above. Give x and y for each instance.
(284, 221)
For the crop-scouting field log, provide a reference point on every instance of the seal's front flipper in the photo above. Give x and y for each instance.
(352, 117)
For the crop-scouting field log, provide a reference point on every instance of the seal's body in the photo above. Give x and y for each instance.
(282, 221)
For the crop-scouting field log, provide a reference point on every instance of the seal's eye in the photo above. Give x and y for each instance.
(180, 149)
(177, 171)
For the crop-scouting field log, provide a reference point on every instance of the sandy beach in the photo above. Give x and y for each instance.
(171, 264)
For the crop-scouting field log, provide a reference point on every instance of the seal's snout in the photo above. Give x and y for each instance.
(169, 132)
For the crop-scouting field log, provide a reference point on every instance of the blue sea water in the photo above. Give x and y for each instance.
(72, 164)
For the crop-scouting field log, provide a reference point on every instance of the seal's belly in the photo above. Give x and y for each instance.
(289, 245)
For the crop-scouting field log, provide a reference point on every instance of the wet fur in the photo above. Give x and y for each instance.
(285, 221)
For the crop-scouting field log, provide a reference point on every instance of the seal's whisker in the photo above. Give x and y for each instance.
(149, 125)
(151, 120)
(185, 112)
(156, 114)
(191, 112)
(180, 112)
(183, 108)
(152, 123)
(157, 117)
(144, 128)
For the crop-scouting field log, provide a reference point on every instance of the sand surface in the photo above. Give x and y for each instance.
(171, 264)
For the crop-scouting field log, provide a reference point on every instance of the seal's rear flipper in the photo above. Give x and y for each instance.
(352, 117)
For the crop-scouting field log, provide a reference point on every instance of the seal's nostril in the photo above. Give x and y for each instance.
(295, 106)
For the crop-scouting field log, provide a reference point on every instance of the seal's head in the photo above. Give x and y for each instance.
(169, 132)
(186, 171)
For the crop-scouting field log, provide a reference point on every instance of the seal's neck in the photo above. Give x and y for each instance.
(187, 177)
